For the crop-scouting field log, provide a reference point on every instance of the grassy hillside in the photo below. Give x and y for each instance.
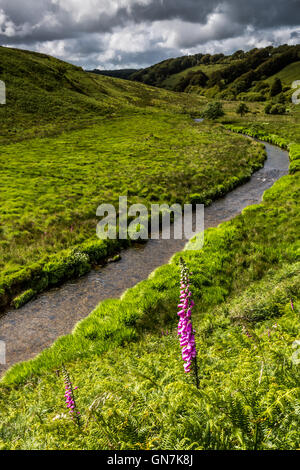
(46, 96)
(171, 82)
(130, 139)
(288, 74)
(243, 75)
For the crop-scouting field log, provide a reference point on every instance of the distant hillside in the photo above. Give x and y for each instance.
(125, 74)
(226, 77)
(46, 95)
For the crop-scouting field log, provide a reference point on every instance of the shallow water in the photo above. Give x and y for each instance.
(39, 323)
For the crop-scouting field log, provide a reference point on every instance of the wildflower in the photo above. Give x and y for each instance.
(292, 304)
(185, 327)
(246, 332)
(70, 398)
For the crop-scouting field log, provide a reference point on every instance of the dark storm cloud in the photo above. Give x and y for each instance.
(256, 12)
(194, 11)
(92, 29)
(295, 34)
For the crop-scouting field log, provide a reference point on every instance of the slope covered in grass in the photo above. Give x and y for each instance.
(288, 75)
(46, 96)
(243, 75)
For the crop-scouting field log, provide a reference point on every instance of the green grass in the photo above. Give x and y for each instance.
(151, 405)
(285, 125)
(53, 186)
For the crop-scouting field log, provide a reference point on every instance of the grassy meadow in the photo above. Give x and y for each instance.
(125, 356)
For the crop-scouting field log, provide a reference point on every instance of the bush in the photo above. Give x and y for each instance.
(252, 97)
(242, 109)
(281, 98)
(213, 110)
(277, 109)
(276, 87)
(260, 86)
(268, 108)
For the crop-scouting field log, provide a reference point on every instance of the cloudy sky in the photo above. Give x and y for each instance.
(136, 33)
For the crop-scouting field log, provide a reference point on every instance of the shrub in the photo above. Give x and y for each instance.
(276, 87)
(268, 108)
(281, 98)
(277, 109)
(213, 110)
(252, 97)
(260, 86)
(242, 109)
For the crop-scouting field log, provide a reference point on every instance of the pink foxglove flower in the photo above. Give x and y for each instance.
(185, 327)
(70, 398)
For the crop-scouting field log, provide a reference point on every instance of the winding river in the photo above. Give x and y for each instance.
(39, 323)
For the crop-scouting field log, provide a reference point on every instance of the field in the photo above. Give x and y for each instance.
(125, 356)
(53, 185)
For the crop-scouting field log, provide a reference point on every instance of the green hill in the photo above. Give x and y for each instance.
(288, 74)
(47, 96)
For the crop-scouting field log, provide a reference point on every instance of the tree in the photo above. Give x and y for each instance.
(268, 108)
(275, 108)
(242, 109)
(281, 98)
(213, 110)
(276, 87)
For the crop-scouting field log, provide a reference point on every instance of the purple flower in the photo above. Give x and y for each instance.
(69, 397)
(185, 327)
(246, 332)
